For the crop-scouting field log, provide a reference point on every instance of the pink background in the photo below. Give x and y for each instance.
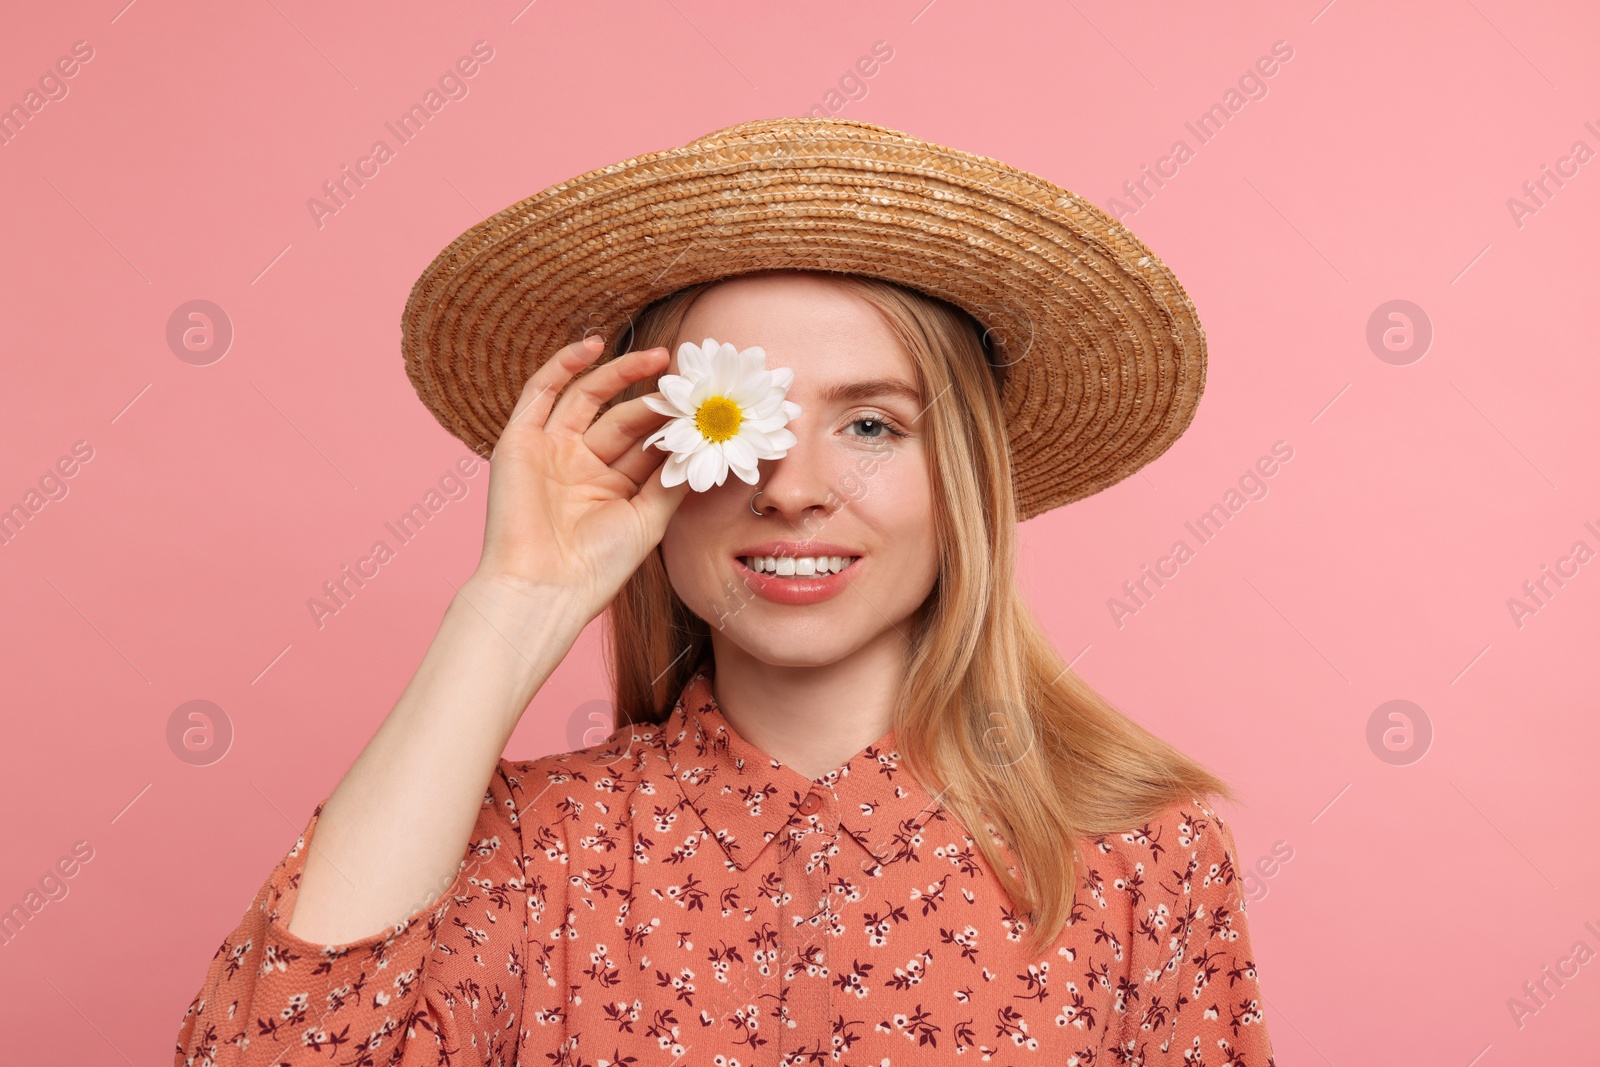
(1419, 896)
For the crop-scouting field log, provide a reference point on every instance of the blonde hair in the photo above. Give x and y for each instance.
(989, 719)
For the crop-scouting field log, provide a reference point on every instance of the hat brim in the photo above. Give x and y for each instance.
(1105, 356)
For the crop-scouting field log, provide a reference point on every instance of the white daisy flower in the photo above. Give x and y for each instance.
(728, 412)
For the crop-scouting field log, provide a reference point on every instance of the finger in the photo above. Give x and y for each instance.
(656, 503)
(639, 463)
(539, 391)
(619, 430)
(575, 408)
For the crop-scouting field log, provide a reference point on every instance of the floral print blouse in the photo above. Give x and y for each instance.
(676, 896)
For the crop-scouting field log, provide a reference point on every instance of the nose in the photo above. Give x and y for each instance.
(800, 486)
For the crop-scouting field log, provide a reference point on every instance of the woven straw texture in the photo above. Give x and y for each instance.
(1103, 350)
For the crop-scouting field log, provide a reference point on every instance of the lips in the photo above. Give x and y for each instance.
(799, 589)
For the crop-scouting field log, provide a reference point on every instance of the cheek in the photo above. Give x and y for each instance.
(897, 501)
(684, 530)
(684, 546)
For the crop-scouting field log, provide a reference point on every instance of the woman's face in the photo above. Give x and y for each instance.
(848, 487)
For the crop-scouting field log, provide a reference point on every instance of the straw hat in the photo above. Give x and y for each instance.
(1103, 353)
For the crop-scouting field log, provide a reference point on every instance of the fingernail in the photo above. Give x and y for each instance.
(594, 340)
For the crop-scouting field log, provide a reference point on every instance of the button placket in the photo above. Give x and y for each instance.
(807, 1006)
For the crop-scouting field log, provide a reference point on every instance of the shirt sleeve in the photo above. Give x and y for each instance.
(1198, 1000)
(271, 998)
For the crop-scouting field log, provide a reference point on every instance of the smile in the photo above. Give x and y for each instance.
(798, 580)
(798, 566)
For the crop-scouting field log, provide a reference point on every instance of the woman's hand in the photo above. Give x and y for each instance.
(575, 504)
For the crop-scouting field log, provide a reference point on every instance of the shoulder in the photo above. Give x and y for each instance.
(1173, 873)
(1183, 848)
(1178, 825)
(563, 786)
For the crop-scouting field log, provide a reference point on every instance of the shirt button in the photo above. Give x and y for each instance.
(810, 804)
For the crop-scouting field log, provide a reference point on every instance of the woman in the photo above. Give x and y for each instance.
(844, 817)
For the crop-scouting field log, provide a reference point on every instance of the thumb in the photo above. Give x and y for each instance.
(656, 503)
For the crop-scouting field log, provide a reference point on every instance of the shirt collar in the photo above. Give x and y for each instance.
(745, 798)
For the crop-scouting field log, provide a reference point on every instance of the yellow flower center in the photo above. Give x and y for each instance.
(718, 418)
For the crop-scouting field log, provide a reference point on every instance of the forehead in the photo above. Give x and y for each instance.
(824, 332)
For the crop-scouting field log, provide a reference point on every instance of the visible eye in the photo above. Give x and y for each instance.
(878, 422)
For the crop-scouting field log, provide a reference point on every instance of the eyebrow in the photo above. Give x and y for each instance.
(870, 388)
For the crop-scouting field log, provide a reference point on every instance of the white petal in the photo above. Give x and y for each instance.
(768, 424)
(753, 389)
(739, 451)
(684, 436)
(704, 388)
(725, 368)
(754, 378)
(782, 439)
(707, 468)
(766, 406)
(783, 376)
(676, 388)
(748, 475)
(648, 441)
(674, 471)
(755, 438)
(692, 362)
(664, 407)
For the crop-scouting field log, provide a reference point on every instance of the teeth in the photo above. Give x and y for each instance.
(798, 567)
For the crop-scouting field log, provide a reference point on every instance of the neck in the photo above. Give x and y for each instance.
(811, 718)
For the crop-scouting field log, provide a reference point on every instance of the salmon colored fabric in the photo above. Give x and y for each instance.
(674, 895)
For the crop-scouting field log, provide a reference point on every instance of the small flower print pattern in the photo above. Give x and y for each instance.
(675, 896)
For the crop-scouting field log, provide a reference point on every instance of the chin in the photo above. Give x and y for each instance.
(779, 646)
